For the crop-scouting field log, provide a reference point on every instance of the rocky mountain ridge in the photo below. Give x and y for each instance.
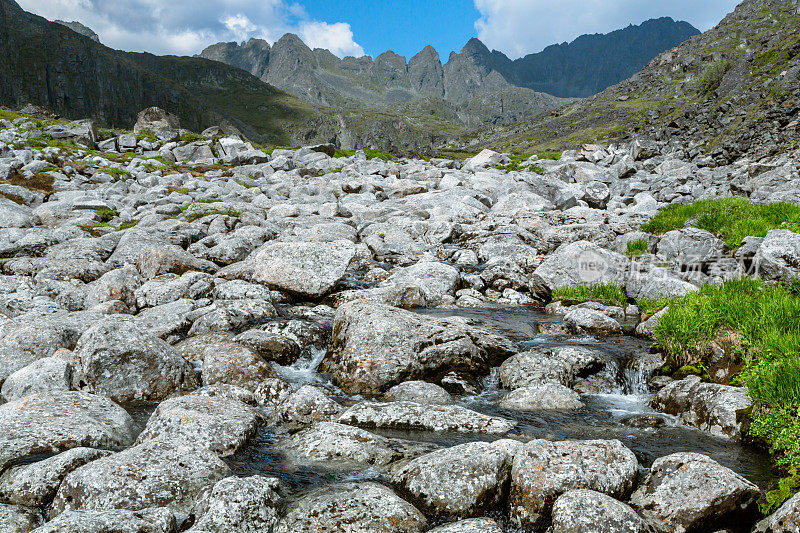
(580, 68)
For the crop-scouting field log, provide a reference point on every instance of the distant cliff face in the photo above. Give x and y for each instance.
(584, 67)
(592, 63)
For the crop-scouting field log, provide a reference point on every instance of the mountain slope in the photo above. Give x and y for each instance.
(49, 64)
(733, 90)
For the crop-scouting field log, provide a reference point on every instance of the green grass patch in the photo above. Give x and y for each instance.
(107, 215)
(637, 248)
(456, 154)
(787, 487)
(228, 212)
(708, 82)
(247, 184)
(553, 156)
(761, 323)
(608, 294)
(7, 114)
(371, 154)
(114, 171)
(731, 219)
(128, 224)
(192, 137)
(146, 135)
(651, 307)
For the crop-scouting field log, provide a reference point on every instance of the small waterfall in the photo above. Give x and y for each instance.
(304, 370)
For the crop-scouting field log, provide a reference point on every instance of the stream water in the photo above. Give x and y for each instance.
(606, 416)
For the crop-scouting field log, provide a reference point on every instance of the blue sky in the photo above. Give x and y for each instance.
(353, 27)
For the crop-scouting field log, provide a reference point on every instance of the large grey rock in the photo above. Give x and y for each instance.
(778, 257)
(244, 505)
(433, 280)
(582, 263)
(376, 346)
(691, 246)
(48, 374)
(12, 360)
(420, 392)
(707, 406)
(327, 443)
(163, 124)
(549, 365)
(544, 470)
(155, 520)
(592, 321)
(541, 398)
(306, 405)
(35, 485)
(118, 358)
(119, 284)
(17, 519)
(13, 215)
(464, 481)
(588, 511)
(80, 131)
(351, 508)
(417, 416)
(309, 269)
(691, 492)
(54, 422)
(234, 364)
(211, 419)
(785, 520)
(153, 474)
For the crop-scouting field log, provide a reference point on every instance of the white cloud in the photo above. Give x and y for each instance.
(186, 27)
(338, 38)
(519, 27)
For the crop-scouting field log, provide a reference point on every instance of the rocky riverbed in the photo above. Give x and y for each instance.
(200, 336)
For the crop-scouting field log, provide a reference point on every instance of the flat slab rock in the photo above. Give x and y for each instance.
(330, 443)
(309, 269)
(58, 421)
(706, 406)
(376, 346)
(146, 521)
(351, 508)
(544, 470)
(422, 417)
(152, 474)
(218, 422)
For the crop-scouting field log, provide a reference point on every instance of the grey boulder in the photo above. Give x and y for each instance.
(464, 481)
(691, 492)
(544, 470)
(243, 505)
(309, 269)
(351, 508)
(54, 422)
(376, 346)
(588, 511)
(120, 359)
(153, 474)
(708, 406)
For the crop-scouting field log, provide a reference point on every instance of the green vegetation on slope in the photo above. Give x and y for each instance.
(731, 219)
(761, 322)
(607, 294)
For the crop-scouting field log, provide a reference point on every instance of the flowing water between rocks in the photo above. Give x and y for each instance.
(623, 414)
